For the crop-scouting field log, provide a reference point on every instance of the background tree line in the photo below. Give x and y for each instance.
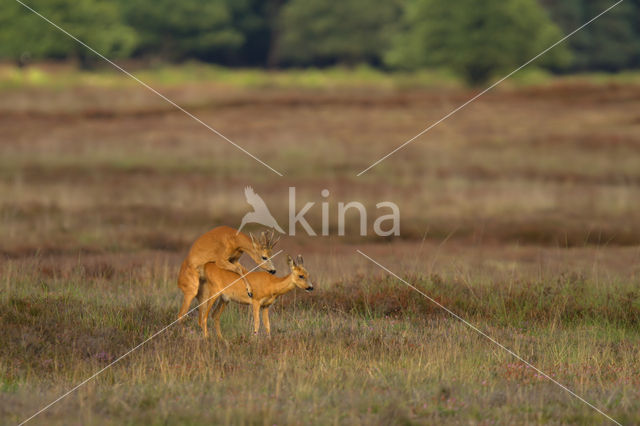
(473, 41)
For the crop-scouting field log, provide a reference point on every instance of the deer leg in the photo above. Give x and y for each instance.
(206, 303)
(188, 282)
(203, 324)
(209, 305)
(186, 302)
(265, 320)
(238, 269)
(202, 296)
(248, 286)
(256, 318)
(216, 318)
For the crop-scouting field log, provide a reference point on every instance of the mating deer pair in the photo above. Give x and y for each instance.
(212, 265)
(221, 287)
(223, 246)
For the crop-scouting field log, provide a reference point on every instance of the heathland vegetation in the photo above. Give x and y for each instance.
(520, 214)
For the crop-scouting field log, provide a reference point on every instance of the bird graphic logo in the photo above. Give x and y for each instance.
(260, 213)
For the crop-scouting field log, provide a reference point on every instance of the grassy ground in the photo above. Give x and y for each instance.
(520, 213)
(363, 349)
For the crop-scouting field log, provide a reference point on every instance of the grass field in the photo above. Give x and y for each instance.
(521, 214)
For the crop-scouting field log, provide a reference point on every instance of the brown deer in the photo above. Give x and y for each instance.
(221, 288)
(223, 246)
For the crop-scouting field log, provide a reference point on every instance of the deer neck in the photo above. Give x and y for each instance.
(283, 285)
(245, 244)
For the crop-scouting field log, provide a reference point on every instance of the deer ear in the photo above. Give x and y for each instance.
(253, 241)
(299, 260)
(291, 262)
(263, 238)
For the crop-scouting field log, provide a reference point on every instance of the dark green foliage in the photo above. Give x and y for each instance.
(97, 23)
(328, 32)
(184, 29)
(610, 43)
(256, 20)
(476, 42)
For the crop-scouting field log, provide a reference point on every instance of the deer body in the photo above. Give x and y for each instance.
(221, 288)
(223, 246)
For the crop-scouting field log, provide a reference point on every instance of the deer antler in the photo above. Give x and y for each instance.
(267, 240)
(274, 241)
(271, 240)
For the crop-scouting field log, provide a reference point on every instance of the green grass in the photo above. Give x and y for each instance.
(61, 76)
(363, 351)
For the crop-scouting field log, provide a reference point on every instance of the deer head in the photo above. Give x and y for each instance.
(262, 248)
(299, 274)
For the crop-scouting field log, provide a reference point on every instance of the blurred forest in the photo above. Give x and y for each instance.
(473, 42)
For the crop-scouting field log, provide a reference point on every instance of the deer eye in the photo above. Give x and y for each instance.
(301, 276)
(264, 257)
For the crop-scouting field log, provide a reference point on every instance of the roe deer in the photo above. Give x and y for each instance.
(223, 246)
(266, 289)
